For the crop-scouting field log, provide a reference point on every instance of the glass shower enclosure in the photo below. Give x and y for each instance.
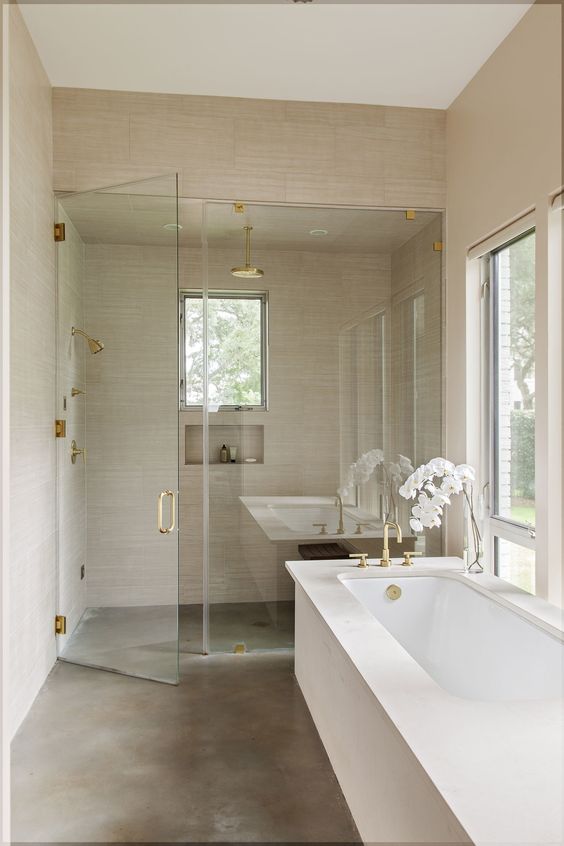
(222, 366)
(314, 345)
(117, 450)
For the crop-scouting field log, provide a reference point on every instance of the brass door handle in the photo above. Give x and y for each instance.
(165, 530)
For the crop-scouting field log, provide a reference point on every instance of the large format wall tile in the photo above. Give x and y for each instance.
(32, 372)
(251, 149)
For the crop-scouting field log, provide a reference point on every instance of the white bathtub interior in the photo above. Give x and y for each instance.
(472, 646)
(303, 518)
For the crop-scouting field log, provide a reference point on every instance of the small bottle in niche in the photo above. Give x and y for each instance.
(233, 454)
(223, 454)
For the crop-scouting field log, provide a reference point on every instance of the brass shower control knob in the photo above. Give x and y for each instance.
(75, 452)
(393, 592)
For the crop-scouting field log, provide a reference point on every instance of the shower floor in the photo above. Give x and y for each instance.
(141, 640)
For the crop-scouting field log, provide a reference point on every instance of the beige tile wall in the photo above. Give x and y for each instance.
(418, 428)
(71, 482)
(32, 350)
(311, 295)
(131, 423)
(281, 152)
(251, 149)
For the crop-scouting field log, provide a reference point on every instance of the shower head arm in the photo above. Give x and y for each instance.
(76, 331)
(94, 345)
(248, 245)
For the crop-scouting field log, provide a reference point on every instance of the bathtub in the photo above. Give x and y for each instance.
(294, 518)
(435, 619)
(441, 710)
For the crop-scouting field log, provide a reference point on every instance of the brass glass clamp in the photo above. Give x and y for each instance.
(407, 556)
(363, 556)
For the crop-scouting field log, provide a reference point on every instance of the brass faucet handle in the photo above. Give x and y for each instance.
(407, 556)
(361, 526)
(363, 556)
(323, 527)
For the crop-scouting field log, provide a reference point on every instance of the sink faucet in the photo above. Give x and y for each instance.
(339, 503)
(385, 559)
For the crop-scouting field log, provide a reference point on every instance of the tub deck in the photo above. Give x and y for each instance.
(496, 765)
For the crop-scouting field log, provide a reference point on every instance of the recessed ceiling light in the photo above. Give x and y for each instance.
(172, 227)
(318, 233)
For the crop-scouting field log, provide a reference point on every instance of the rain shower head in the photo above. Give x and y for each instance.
(94, 345)
(247, 271)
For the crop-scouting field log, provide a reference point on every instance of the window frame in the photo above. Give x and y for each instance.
(223, 293)
(496, 526)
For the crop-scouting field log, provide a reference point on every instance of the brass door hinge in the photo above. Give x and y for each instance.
(59, 231)
(60, 428)
(410, 214)
(60, 624)
(438, 246)
(239, 208)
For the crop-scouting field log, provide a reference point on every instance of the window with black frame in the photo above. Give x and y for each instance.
(237, 349)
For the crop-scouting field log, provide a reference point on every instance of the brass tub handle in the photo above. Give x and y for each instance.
(165, 530)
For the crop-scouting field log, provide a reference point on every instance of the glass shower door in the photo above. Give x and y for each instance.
(117, 394)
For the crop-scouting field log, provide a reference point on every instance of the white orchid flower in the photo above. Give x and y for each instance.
(465, 473)
(440, 467)
(431, 500)
(416, 524)
(451, 485)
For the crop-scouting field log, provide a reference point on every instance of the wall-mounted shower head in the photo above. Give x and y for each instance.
(94, 345)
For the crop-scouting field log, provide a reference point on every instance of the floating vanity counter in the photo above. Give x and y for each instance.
(291, 518)
(438, 697)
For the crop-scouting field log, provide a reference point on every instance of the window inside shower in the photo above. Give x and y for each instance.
(237, 349)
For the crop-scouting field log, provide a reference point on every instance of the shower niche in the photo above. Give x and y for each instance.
(246, 438)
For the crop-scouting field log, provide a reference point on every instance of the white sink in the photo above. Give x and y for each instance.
(285, 518)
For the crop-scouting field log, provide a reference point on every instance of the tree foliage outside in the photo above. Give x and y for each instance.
(522, 361)
(523, 449)
(522, 329)
(234, 351)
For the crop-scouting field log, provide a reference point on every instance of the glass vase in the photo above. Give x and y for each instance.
(473, 552)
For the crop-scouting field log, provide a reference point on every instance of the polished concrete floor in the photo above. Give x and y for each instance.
(141, 641)
(230, 755)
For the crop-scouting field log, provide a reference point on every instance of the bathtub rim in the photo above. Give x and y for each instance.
(466, 747)
(532, 609)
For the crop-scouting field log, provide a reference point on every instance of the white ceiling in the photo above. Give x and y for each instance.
(401, 54)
